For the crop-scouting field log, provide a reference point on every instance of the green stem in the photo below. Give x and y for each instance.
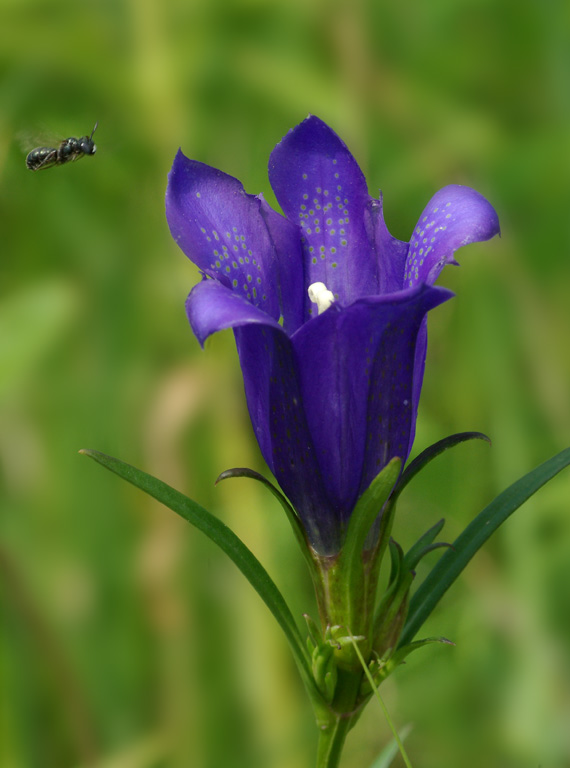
(391, 725)
(331, 742)
(344, 711)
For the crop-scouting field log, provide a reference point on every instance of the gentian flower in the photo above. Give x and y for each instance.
(328, 311)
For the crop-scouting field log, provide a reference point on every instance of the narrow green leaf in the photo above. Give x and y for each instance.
(405, 650)
(450, 565)
(430, 453)
(411, 565)
(296, 525)
(227, 540)
(422, 546)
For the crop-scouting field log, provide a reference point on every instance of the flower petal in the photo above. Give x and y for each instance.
(418, 379)
(391, 253)
(212, 306)
(320, 187)
(455, 216)
(356, 367)
(290, 283)
(271, 380)
(274, 402)
(221, 229)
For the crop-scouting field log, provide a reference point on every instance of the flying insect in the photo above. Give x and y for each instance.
(68, 151)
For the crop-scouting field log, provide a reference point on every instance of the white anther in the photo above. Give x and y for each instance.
(321, 296)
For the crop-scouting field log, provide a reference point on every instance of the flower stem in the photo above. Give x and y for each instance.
(391, 725)
(333, 735)
(331, 743)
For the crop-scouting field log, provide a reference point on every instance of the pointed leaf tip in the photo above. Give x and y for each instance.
(289, 510)
(431, 452)
(240, 472)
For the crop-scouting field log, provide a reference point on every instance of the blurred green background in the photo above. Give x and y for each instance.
(127, 640)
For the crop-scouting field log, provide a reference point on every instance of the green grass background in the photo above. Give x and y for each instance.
(127, 640)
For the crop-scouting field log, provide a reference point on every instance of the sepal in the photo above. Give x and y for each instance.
(346, 583)
(367, 509)
(325, 670)
(322, 652)
(343, 643)
(392, 610)
(314, 637)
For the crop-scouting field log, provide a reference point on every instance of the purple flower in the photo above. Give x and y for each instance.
(333, 383)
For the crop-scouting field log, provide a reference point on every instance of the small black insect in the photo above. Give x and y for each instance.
(68, 151)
